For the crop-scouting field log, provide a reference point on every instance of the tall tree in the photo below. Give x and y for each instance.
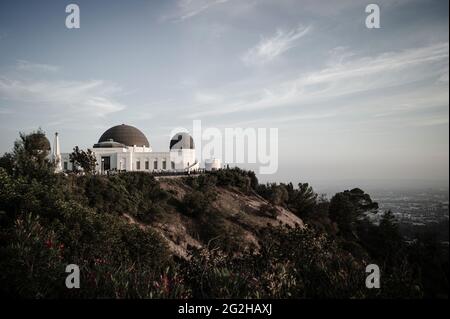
(304, 199)
(30, 156)
(348, 208)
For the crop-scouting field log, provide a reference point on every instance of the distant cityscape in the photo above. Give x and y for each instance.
(419, 207)
(417, 211)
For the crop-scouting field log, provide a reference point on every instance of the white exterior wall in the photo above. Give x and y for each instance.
(213, 164)
(183, 158)
(151, 158)
(65, 161)
(127, 158)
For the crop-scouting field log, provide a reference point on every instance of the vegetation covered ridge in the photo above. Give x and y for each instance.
(221, 234)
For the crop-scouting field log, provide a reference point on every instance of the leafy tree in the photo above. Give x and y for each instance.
(348, 208)
(253, 179)
(7, 162)
(304, 199)
(430, 261)
(83, 159)
(301, 200)
(319, 218)
(30, 156)
(274, 193)
(389, 228)
(236, 177)
(384, 242)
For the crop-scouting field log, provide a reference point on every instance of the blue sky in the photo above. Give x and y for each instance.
(350, 103)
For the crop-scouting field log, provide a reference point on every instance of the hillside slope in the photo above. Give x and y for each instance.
(241, 215)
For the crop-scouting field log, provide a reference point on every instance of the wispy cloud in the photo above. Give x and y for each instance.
(5, 111)
(270, 48)
(207, 98)
(436, 121)
(94, 98)
(23, 65)
(342, 79)
(187, 9)
(380, 65)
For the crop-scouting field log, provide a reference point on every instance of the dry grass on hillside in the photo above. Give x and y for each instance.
(237, 216)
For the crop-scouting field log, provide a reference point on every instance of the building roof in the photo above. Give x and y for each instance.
(182, 141)
(123, 134)
(108, 144)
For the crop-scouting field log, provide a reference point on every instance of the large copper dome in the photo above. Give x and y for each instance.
(124, 134)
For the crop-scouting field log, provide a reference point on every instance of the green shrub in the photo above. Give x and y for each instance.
(197, 203)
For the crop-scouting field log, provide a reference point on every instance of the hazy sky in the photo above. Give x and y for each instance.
(350, 103)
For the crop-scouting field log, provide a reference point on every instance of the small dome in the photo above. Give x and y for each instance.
(182, 141)
(123, 134)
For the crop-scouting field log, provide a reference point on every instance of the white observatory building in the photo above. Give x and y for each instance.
(126, 148)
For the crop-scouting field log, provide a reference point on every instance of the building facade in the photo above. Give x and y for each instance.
(126, 148)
